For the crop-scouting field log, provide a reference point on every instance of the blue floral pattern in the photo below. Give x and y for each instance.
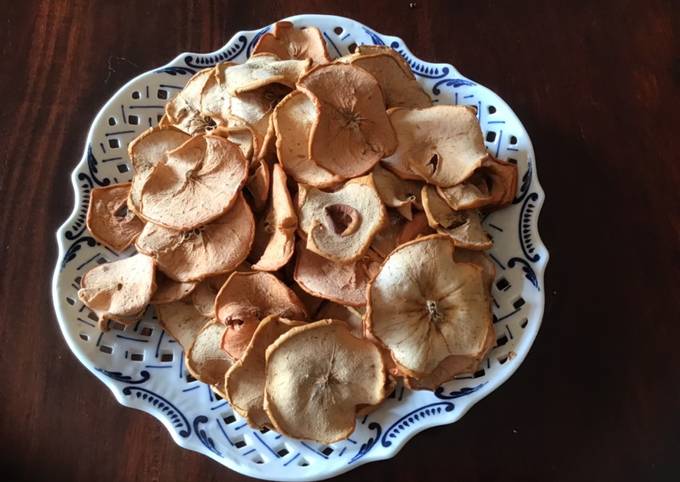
(120, 377)
(413, 417)
(177, 418)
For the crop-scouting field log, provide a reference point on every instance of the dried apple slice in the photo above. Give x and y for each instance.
(493, 185)
(108, 217)
(399, 86)
(146, 151)
(206, 360)
(182, 321)
(400, 231)
(253, 108)
(367, 49)
(340, 225)
(414, 228)
(169, 290)
(343, 283)
(503, 180)
(218, 247)
(386, 239)
(442, 144)
(203, 297)
(245, 380)
(293, 119)
(215, 99)
(453, 365)
(396, 192)
(275, 232)
(237, 336)
(439, 214)
(164, 122)
(479, 258)
(197, 183)
(249, 296)
(184, 110)
(425, 307)
(268, 152)
(464, 227)
(288, 42)
(317, 377)
(471, 194)
(352, 131)
(242, 135)
(245, 299)
(258, 184)
(119, 290)
(260, 70)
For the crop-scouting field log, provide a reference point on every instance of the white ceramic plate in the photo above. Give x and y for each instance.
(142, 365)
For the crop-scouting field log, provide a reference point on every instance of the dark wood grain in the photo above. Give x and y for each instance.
(597, 85)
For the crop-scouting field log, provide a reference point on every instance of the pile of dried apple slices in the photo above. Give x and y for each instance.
(309, 230)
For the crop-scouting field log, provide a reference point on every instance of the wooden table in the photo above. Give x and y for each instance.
(597, 87)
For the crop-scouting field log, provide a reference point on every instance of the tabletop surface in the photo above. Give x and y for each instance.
(597, 85)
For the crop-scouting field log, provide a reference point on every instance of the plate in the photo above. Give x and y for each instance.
(143, 366)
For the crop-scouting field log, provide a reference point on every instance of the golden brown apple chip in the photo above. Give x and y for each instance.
(340, 225)
(260, 70)
(197, 183)
(288, 42)
(317, 377)
(206, 360)
(147, 150)
(245, 299)
(237, 336)
(204, 295)
(244, 382)
(471, 194)
(352, 131)
(218, 247)
(258, 185)
(387, 238)
(479, 258)
(400, 231)
(464, 227)
(396, 192)
(343, 283)
(493, 185)
(253, 108)
(442, 144)
(425, 307)
(182, 321)
(399, 86)
(184, 110)
(503, 180)
(119, 290)
(168, 290)
(242, 135)
(366, 50)
(275, 232)
(108, 217)
(293, 119)
(454, 365)
(414, 228)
